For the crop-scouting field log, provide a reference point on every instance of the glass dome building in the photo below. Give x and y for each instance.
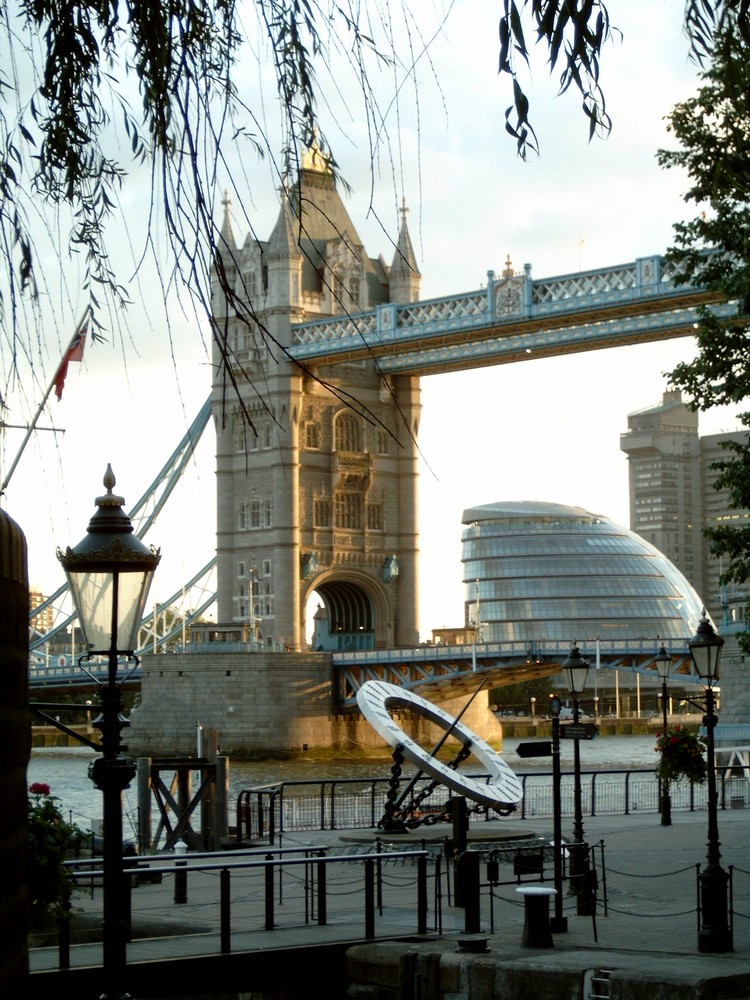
(534, 571)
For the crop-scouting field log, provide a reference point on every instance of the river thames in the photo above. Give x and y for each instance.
(65, 770)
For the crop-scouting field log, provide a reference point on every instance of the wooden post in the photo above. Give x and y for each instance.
(143, 785)
(221, 803)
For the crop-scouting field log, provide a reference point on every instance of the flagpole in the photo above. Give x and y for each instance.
(32, 426)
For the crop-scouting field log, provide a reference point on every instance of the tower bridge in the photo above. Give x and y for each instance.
(317, 493)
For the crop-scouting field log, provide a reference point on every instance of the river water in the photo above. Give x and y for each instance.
(65, 770)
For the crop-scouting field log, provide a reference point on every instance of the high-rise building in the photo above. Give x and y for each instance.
(673, 499)
(41, 621)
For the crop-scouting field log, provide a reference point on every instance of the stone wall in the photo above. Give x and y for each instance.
(265, 705)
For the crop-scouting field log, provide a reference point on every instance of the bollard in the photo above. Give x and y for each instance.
(467, 889)
(180, 877)
(536, 925)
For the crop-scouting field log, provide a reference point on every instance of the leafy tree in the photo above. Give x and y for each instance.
(573, 34)
(712, 250)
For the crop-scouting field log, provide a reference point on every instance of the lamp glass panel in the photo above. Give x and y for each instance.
(577, 678)
(706, 660)
(93, 594)
(663, 666)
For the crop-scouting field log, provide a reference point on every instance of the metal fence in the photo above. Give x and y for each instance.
(354, 803)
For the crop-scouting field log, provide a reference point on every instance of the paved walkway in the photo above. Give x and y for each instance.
(646, 908)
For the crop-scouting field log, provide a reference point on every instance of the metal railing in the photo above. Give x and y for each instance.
(305, 885)
(267, 812)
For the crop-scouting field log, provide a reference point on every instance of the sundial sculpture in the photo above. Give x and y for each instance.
(500, 790)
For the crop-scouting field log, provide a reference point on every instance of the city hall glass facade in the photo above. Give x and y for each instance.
(535, 571)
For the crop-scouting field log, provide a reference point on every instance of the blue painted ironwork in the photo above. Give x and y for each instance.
(514, 319)
(464, 665)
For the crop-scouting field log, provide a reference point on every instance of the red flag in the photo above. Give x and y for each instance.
(73, 353)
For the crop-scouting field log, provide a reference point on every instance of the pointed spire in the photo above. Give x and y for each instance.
(227, 235)
(226, 248)
(404, 276)
(314, 159)
(283, 239)
(404, 259)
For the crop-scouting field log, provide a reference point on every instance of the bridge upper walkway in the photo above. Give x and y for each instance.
(514, 318)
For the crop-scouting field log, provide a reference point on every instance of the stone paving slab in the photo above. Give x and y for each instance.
(645, 922)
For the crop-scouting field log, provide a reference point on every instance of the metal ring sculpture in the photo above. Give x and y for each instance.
(500, 791)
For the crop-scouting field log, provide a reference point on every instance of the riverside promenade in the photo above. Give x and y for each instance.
(644, 934)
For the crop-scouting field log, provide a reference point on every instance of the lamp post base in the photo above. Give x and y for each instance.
(665, 808)
(580, 879)
(715, 934)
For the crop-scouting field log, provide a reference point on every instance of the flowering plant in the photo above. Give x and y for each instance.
(51, 839)
(681, 755)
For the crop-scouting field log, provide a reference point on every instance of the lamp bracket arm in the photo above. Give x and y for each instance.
(50, 720)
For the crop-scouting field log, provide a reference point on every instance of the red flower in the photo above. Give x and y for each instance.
(39, 788)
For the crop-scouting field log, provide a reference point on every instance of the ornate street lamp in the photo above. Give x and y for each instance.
(715, 934)
(663, 663)
(109, 573)
(576, 670)
(559, 922)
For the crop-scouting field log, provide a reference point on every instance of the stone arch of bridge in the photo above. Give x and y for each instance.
(352, 611)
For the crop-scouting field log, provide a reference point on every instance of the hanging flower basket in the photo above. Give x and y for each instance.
(680, 755)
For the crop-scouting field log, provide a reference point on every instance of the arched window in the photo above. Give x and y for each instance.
(312, 438)
(348, 433)
(347, 511)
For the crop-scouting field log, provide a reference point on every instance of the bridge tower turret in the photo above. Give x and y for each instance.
(403, 277)
(316, 467)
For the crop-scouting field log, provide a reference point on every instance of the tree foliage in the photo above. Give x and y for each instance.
(712, 250)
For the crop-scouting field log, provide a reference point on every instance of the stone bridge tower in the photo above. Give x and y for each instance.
(316, 468)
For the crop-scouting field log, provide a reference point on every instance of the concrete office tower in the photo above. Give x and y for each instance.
(672, 497)
(672, 501)
(316, 467)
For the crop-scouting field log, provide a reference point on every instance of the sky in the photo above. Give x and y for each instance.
(546, 429)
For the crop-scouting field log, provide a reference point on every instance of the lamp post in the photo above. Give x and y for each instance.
(576, 670)
(715, 934)
(663, 663)
(109, 573)
(559, 922)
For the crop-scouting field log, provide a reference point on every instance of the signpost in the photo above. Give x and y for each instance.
(539, 748)
(578, 731)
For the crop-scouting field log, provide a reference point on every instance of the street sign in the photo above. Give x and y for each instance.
(540, 748)
(578, 731)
